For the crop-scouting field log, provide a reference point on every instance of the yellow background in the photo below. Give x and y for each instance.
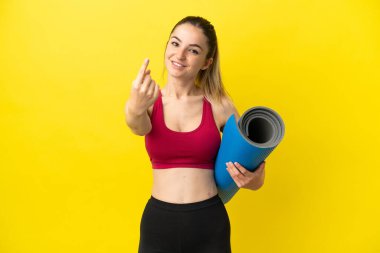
(73, 178)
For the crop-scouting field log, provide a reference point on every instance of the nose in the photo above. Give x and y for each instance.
(181, 54)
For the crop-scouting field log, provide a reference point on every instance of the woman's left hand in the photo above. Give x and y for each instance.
(245, 178)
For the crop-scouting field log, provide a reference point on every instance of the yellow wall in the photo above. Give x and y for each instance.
(73, 178)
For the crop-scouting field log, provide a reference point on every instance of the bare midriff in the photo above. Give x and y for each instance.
(183, 185)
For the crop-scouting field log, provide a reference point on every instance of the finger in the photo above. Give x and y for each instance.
(260, 168)
(241, 169)
(234, 177)
(259, 172)
(234, 170)
(138, 85)
(150, 91)
(146, 84)
(142, 70)
(156, 91)
(147, 73)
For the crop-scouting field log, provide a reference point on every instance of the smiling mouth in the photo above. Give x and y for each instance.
(178, 64)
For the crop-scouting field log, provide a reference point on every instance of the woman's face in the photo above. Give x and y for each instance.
(186, 52)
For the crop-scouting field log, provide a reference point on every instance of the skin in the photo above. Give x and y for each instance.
(185, 56)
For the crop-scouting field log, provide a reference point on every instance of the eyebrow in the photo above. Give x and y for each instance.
(193, 45)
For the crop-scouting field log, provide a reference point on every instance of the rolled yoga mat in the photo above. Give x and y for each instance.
(248, 142)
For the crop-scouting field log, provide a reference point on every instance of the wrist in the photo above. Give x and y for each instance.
(132, 111)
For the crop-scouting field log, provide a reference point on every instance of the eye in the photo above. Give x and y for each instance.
(194, 51)
(174, 43)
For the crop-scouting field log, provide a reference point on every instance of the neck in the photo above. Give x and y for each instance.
(181, 88)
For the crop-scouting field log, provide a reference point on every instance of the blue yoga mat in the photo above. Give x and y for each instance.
(248, 142)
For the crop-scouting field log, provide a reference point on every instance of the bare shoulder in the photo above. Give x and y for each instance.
(223, 110)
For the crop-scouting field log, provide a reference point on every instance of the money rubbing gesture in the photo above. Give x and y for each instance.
(143, 94)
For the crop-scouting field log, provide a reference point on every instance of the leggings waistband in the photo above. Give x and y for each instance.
(187, 206)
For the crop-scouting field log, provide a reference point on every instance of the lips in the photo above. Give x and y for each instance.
(178, 65)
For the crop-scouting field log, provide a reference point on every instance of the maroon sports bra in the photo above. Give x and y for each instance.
(170, 149)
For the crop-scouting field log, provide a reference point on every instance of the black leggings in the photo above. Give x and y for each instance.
(200, 227)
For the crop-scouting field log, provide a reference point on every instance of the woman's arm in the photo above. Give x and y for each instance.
(139, 124)
(143, 95)
(229, 109)
(223, 110)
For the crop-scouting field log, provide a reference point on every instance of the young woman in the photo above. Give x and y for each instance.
(181, 124)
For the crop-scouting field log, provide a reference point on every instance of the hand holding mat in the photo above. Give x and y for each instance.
(248, 142)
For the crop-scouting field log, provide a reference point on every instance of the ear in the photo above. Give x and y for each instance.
(208, 63)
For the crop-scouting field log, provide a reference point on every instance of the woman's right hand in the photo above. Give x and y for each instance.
(144, 91)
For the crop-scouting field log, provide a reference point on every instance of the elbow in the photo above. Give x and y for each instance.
(140, 133)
